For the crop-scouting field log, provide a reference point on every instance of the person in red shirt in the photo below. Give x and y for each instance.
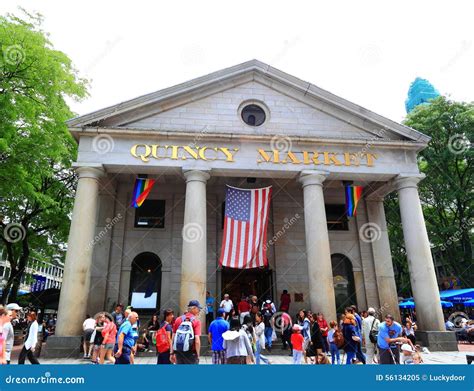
(191, 356)
(285, 300)
(323, 325)
(108, 333)
(243, 308)
(297, 343)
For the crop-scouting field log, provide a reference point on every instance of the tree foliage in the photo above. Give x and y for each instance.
(446, 192)
(36, 149)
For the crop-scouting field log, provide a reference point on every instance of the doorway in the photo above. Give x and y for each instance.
(145, 282)
(344, 287)
(239, 282)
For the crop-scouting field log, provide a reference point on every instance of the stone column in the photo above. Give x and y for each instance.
(76, 280)
(420, 263)
(360, 288)
(383, 265)
(321, 284)
(194, 254)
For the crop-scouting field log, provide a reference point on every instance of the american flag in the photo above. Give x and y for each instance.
(245, 228)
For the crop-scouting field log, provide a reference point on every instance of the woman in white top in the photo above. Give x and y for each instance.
(237, 344)
(260, 334)
(31, 339)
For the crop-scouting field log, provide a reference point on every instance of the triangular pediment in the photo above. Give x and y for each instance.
(211, 104)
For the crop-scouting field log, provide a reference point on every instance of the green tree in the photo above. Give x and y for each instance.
(36, 149)
(446, 192)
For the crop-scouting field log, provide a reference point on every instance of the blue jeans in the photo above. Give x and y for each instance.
(350, 356)
(297, 356)
(268, 336)
(259, 356)
(334, 353)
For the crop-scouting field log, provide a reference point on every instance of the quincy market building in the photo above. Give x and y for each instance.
(248, 126)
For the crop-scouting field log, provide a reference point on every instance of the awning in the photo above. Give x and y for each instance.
(469, 303)
(411, 304)
(458, 295)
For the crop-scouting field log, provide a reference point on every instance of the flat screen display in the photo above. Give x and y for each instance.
(139, 300)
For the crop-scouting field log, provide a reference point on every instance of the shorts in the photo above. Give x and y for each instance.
(88, 334)
(108, 346)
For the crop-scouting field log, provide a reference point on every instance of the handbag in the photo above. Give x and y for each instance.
(373, 334)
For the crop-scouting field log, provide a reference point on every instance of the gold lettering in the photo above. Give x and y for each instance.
(293, 158)
(154, 152)
(229, 155)
(350, 157)
(202, 153)
(143, 157)
(267, 158)
(174, 151)
(331, 157)
(370, 158)
(192, 152)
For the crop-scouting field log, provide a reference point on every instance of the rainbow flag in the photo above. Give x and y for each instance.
(141, 190)
(353, 195)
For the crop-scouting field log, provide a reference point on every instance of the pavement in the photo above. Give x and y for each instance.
(429, 358)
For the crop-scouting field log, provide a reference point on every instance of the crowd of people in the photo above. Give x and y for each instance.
(246, 332)
(240, 334)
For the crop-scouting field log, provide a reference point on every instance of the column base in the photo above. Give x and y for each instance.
(437, 341)
(62, 347)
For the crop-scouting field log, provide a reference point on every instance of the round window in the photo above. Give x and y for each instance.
(253, 115)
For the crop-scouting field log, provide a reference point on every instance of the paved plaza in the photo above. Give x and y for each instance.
(429, 358)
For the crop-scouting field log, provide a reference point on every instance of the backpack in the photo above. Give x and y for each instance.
(162, 341)
(338, 338)
(373, 334)
(184, 336)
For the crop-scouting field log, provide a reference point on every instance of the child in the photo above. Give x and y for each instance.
(332, 343)
(417, 359)
(297, 343)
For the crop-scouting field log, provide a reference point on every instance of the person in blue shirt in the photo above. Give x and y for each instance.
(209, 308)
(216, 329)
(359, 354)
(126, 339)
(390, 332)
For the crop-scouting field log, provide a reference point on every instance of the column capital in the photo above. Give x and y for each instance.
(89, 171)
(403, 181)
(196, 175)
(313, 177)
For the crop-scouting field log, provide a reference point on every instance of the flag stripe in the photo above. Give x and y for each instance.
(245, 225)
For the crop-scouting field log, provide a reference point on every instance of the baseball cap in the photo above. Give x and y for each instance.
(221, 311)
(13, 306)
(194, 303)
(297, 327)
